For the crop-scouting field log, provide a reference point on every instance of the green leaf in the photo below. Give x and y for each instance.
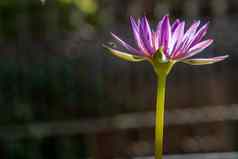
(124, 55)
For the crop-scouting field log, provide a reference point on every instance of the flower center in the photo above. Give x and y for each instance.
(161, 63)
(160, 56)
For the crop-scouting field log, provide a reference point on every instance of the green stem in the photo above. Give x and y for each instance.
(159, 121)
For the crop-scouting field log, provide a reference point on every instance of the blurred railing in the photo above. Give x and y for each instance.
(228, 155)
(209, 121)
(187, 116)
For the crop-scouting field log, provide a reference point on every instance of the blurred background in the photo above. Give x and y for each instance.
(63, 97)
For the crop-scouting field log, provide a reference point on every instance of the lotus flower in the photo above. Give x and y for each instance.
(164, 47)
(174, 44)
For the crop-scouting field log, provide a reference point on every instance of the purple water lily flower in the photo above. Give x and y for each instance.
(164, 47)
(172, 41)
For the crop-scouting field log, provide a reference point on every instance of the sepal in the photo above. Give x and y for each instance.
(124, 55)
(204, 61)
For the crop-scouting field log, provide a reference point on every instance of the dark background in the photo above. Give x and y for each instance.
(63, 97)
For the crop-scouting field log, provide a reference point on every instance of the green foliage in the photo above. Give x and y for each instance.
(35, 15)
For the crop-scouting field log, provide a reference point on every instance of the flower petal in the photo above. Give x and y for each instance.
(165, 35)
(204, 61)
(135, 30)
(179, 32)
(177, 37)
(192, 30)
(146, 35)
(196, 49)
(189, 35)
(158, 36)
(200, 34)
(127, 46)
(124, 55)
(175, 24)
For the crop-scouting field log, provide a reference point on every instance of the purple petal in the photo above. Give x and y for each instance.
(205, 61)
(157, 39)
(180, 50)
(135, 30)
(190, 34)
(165, 34)
(175, 24)
(200, 34)
(127, 46)
(196, 49)
(192, 30)
(146, 35)
(177, 36)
